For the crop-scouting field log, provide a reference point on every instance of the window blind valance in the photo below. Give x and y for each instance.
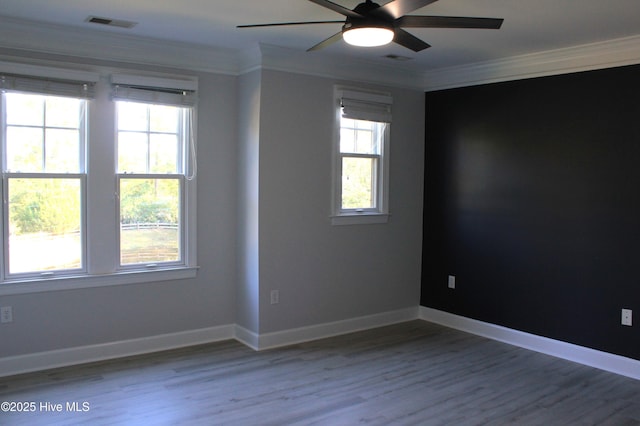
(366, 106)
(154, 90)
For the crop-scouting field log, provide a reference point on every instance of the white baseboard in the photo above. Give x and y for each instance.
(321, 331)
(246, 337)
(78, 355)
(100, 352)
(580, 354)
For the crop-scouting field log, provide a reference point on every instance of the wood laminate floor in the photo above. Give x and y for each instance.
(411, 373)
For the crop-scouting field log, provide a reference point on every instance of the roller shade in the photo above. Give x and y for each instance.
(47, 80)
(48, 86)
(366, 106)
(154, 90)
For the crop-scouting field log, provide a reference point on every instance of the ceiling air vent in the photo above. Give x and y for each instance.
(110, 22)
(398, 58)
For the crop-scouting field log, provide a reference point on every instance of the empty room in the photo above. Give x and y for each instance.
(313, 212)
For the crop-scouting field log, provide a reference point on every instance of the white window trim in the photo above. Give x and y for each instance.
(95, 274)
(357, 216)
(75, 282)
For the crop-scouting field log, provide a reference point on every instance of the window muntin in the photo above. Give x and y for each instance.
(151, 146)
(43, 184)
(43, 133)
(150, 138)
(359, 136)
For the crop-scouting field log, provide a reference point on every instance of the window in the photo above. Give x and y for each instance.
(43, 176)
(151, 146)
(361, 166)
(85, 202)
(43, 179)
(360, 154)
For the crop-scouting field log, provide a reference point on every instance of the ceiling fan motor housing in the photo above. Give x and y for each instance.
(369, 19)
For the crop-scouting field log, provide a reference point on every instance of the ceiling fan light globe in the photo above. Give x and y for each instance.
(368, 36)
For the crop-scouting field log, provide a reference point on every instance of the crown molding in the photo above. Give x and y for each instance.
(606, 54)
(50, 39)
(38, 37)
(277, 58)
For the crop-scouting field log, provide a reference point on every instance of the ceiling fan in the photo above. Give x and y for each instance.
(370, 24)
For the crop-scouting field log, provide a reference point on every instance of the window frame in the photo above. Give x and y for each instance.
(181, 235)
(180, 174)
(80, 175)
(18, 276)
(100, 147)
(379, 113)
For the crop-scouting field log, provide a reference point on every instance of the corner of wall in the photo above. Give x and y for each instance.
(593, 358)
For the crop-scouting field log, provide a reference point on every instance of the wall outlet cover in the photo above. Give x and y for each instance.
(275, 297)
(6, 314)
(451, 283)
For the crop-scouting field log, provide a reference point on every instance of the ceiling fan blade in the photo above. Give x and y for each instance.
(282, 24)
(337, 8)
(448, 22)
(326, 42)
(409, 41)
(399, 8)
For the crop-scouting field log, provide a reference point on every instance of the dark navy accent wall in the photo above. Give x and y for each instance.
(532, 200)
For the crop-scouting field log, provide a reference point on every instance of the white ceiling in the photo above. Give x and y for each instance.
(529, 25)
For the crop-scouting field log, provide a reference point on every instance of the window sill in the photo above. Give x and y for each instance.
(364, 218)
(88, 281)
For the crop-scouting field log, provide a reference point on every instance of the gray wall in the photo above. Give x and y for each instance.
(248, 287)
(328, 273)
(64, 319)
(264, 200)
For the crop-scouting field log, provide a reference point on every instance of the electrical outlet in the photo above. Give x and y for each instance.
(626, 317)
(275, 297)
(6, 314)
(451, 283)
